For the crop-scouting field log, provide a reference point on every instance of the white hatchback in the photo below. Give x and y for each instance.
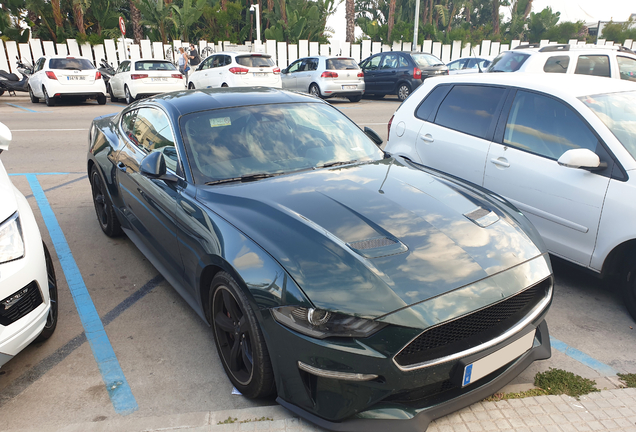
(563, 150)
(28, 287)
(135, 79)
(230, 69)
(60, 77)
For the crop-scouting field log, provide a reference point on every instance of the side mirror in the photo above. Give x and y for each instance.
(581, 158)
(154, 166)
(5, 137)
(284, 71)
(373, 135)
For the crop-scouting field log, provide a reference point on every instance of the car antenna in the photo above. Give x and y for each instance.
(478, 66)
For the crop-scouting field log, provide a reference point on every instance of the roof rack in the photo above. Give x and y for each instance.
(526, 46)
(625, 49)
(559, 47)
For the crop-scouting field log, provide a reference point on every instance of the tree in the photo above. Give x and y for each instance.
(542, 22)
(350, 18)
(619, 32)
(156, 14)
(390, 19)
(135, 20)
(495, 16)
(184, 17)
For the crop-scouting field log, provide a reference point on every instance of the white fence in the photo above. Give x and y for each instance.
(114, 52)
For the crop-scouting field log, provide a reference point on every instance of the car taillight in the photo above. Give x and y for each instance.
(417, 73)
(328, 74)
(276, 71)
(388, 127)
(178, 76)
(51, 75)
(98, 75)
(138, 76)
(360, 74)
(239, 70)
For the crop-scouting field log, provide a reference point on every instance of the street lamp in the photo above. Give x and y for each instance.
(254, 9)
(417, 22)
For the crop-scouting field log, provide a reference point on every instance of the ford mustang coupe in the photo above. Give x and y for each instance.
(365, 292)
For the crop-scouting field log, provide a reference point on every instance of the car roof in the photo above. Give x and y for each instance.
(556, 84)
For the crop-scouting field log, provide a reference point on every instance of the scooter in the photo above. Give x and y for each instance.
(10, 81)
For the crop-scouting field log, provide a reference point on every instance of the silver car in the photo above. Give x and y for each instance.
(325, 77)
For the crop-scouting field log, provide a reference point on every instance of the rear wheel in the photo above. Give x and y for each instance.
(101, 99)
(355, 98)
(32, 96)
(629, 284)
(404, 90)
(191, 86)
(112, 95)
(239, 340)
(224, 85)
(314, 90)
(49, 100)
(106, 216)
(51, 319)
(1, 92)
(129, 98)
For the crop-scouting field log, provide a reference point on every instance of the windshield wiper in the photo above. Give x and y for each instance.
(244, 178)
(330, 164)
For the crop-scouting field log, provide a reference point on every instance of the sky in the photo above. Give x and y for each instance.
(571, 10)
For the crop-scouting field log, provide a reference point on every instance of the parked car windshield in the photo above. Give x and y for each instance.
(618, 112)
(149, 65)
(426, 60)
(70, 63)
(255, 61)
(508, 61)
(341, 64)
(271, 139)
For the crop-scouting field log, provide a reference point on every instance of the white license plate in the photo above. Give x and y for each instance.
(158, 79)
(75, 78)
(349, 87)
(260, 74)
(494, 361)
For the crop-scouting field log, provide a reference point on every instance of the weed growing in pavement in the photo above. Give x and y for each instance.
(628, 379)
(230, 420)
(524, 394)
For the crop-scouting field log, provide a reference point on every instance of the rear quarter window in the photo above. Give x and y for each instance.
(431, 102)
(595, 65)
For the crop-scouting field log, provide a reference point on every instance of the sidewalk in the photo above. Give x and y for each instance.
(608, 410)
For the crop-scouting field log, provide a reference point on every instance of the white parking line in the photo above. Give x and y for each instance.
(46, 130)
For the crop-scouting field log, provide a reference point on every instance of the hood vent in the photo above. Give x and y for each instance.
(482, 217)
(378, 247)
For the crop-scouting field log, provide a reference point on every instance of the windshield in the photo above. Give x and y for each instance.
(271, 139)
(70, 63)
(508, 61)
(618, 112)
(255, 61)
(149, 65)
(341, 64)
(426, 60)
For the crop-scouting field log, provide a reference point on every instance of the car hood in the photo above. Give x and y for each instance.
(8, 203)
(372, 238)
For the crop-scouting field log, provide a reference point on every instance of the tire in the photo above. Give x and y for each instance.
(355, 98)
(628, 284)
(1, 92)
(129, 98)
(49, 100)
(112, 95)
(51, 319)
(224, 85)
(314, 90)
(32, 96)
(403, 91)
(104, 210)
(191, 86)
(101, 99)
(239, 340)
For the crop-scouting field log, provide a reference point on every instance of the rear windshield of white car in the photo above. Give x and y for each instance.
(70, 63)
(255, 61)
(341, 64)
(509, 61)
(154, 66)
(618, 112)
(426, 60)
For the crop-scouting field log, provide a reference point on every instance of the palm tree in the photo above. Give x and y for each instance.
(495, 16)
(391, 19)
(156, 14)
(135, 20)
(184, 17)
(350, 18)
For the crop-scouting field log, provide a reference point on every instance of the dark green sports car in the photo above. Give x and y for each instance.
(365, 291)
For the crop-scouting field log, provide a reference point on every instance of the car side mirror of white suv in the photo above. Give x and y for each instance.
(581, 158)
(5, 137)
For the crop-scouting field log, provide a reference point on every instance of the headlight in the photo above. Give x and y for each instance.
(11, 243)
(323, 324)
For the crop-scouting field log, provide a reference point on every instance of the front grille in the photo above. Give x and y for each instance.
(474, 329)
(28, 301)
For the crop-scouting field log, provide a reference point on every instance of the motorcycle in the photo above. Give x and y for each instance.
(106, 70)
(12, 83)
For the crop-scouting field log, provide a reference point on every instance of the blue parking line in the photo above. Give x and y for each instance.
(23, 108)
(118, 389)
(37, 174)
(581, 357)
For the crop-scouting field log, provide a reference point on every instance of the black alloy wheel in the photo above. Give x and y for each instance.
(629, 284)
(103, 207)
(129, 98)
(112, 95)
(314, 90)
(238, 338)
(32, 96)
(404, 90)
(51, 319)
(49, 100)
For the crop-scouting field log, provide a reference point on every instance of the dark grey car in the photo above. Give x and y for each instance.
(399, 72)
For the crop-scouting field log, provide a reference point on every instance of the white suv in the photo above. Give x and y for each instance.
(603, 61)
(28, 288)
(563, 150)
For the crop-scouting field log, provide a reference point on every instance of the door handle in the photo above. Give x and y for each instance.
(500, 162)
(427, 138)
(121, 166)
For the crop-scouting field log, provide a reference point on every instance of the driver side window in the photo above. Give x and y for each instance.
(153, 133)
(296, 67)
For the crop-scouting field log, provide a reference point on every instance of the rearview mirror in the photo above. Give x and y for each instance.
(154, 166)
(581, 158)
(373, 135)
(5, 137)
